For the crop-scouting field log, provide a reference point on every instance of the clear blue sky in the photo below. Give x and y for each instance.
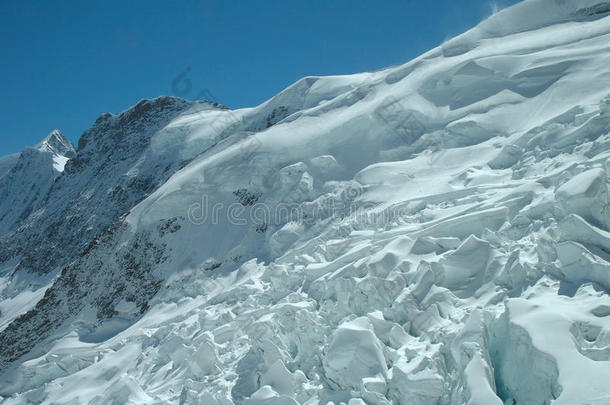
(63, 63)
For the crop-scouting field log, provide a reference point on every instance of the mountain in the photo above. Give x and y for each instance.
(119, 160)
(28, 181)
(431, 233)
(7, 162)
(57, 144)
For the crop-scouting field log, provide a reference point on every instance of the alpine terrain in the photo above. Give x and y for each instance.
(436, 233)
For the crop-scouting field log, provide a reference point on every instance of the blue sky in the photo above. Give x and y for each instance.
(63, 63)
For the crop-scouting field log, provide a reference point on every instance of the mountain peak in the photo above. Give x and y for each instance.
(57, 144)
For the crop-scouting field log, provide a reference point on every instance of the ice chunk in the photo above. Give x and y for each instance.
(508, 156)
(427, 244)
(354, 353)
(579, 265)
(586, 194)
(576, 229)
(267, 396)
(511, 346)
(415, 383)
(463, 270)
(279, 378)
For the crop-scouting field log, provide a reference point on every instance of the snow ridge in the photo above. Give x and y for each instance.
(58, 144)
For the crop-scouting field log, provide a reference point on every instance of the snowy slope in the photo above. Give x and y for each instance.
(26, 184)
(7, 162)
(432, 233)
(119, 160)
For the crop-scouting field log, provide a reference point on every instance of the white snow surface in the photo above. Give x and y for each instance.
(430, 234)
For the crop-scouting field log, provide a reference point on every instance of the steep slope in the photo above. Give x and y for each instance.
(7, 162)
(120, 160)
(433, 233)
(26, 184)
(57, 144)
(96, 185)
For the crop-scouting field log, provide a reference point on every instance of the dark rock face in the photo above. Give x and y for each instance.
(77, 225)
(100, 280)
(95, 188)
(246, 197)
(278, 114)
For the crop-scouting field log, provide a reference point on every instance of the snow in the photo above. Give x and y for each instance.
(7, 162)
(354, 354)
(583, 183)
(431, 233)
(30, 177)
(560, 332)
(12, 307)
(59, 162)
(57, 144)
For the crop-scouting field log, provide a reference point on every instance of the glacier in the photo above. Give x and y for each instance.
(435, 233)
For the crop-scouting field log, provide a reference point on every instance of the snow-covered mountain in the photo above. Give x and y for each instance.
(7, 162)
(32, 174)
(432, 233)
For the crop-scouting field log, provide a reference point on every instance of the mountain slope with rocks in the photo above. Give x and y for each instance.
(27, 182)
